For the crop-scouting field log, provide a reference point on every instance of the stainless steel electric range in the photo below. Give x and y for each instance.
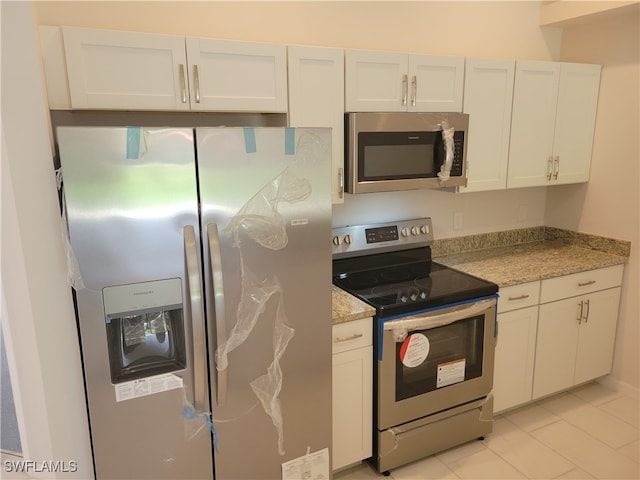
(434, 332)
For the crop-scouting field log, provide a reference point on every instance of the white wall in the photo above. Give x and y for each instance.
(482, 212)
(504, 29)
(38, 318)
(609, 205)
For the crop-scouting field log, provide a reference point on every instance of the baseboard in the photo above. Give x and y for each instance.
(618, 386)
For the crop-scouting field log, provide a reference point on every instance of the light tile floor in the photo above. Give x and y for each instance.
(586, 433)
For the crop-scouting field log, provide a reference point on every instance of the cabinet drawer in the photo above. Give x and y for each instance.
(350, 335)
(518, 296)
(580, 283)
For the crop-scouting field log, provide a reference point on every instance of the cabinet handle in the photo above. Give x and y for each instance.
(404, 90)
(519, 297)
(556, 163)
(588, 282)
(549, 168)
(341, 182)
(196, 83)
(581, 305)
(586, 316)
(346, 339)
(183, 85)
(414, 90)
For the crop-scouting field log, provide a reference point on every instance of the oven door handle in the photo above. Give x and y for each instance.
(431, 319)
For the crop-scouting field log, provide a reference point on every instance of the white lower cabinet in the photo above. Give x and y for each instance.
(555, 334)
(576, 335)
(516, 346)
(352, 392)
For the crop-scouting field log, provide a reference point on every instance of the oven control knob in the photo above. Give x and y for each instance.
(403, 299)
(423, 295)
(414, 230)
(337, 240)
(348, 239)
(414, 296)
(404, 232)
(424, 229)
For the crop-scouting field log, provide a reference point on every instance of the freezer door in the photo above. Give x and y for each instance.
(266, 223)
(131, 203)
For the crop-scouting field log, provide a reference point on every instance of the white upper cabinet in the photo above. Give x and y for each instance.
(397, 82)
(533, 123)
(316, 99)
(125, 70)
(575, 121)
(553, 119)
(488, 95)
(435, 83)
(141, 71)
(237, 76)
(376, 81)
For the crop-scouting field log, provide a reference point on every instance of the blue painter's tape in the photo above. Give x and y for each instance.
(133, 143)
(290, 141)
(250, 140)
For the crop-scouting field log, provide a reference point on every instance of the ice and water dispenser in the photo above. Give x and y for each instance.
(145, 329)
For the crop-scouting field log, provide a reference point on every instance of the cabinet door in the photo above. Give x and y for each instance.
(435, 83)
(316, 99)
(575, 121)
(488, 96)
(376, 81)
(237, 76)
(557, 344)
(532, 123)
(352, 406)
(515, 351)
(597, 334)
(125, 70)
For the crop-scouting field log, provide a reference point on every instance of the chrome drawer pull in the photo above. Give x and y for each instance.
(584, 284)
(519, 297)
(352, 337)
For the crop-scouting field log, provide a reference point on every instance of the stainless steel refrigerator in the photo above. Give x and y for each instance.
(202, 273)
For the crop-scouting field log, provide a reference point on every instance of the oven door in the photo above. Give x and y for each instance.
(435, 361)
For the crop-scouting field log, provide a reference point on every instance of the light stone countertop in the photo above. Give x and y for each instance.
(506, 266)
(516, 264)
(346, 307)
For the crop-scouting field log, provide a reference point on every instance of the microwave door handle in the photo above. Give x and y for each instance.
(428, 320)
(194, 290)
(217, 290)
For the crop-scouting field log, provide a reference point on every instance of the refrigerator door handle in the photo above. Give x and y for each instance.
(217, 288)
(194, 290)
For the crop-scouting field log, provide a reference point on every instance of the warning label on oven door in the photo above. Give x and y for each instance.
(450, 373)
(414, 350)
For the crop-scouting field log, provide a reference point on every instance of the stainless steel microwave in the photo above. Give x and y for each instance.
(405, 151)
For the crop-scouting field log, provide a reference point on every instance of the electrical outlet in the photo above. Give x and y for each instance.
(458, 220)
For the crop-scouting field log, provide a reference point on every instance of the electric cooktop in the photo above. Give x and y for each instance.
(395, 278)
